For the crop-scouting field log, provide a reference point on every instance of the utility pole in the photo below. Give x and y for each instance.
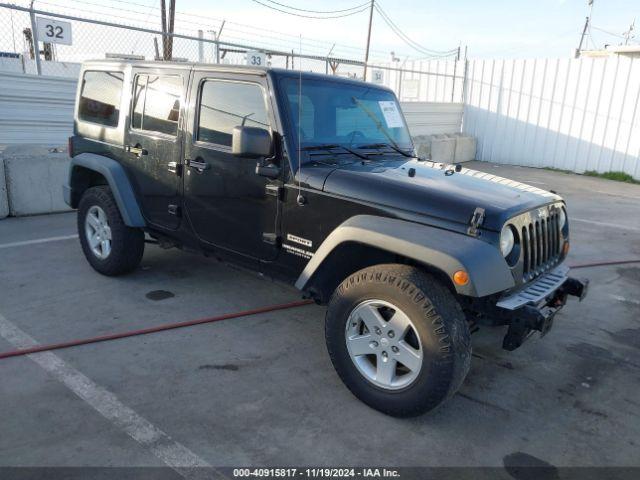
(366, 54)
(167, 28)
(628, 33)
(584, 30)
(163, 20)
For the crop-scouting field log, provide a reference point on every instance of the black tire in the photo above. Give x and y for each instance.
(438, 321)
(127, 244)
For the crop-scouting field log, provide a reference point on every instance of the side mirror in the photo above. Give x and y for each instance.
(250, 142)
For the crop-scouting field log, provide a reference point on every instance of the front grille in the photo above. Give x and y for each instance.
(540, 244)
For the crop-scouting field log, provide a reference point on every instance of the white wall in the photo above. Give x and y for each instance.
(36, 110)
(429, 118)
(570, 114)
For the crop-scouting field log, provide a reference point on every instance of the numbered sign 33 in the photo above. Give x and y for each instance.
(256, 59)
(378, 77)
(53, 31)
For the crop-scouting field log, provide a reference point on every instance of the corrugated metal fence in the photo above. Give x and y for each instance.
(35, 110)
(430, 118)
(569, 114)
(39, 110)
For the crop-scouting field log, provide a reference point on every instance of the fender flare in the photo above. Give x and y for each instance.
(443, 249)
(118, 182)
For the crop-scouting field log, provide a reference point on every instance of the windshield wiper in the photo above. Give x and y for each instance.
(332, 146)
(388, 145)
(380, 127)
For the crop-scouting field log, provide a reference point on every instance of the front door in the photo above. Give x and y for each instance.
(154, 145)
(228, 205)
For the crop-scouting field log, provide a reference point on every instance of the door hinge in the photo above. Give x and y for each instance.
(274, 190)
(476, 221)
(175, 210)
(175, 167)
(271, 238)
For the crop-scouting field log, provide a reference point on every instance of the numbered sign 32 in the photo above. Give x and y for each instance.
(53, 31)
(256, 59)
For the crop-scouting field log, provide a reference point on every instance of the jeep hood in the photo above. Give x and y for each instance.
(432, 193)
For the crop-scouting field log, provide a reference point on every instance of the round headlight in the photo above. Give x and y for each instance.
(507, 240)
(562, 218)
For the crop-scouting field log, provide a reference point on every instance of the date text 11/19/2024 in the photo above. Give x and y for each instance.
(325, 472)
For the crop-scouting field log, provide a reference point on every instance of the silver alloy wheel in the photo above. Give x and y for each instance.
(98, 232)
(383, 344)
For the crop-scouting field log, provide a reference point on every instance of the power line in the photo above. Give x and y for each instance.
(243, 34)
(310, 42)
(317, 11)
(409, 41)
(309, 16)
(607, 32)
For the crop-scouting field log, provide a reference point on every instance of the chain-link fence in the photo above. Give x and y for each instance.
(41, 42)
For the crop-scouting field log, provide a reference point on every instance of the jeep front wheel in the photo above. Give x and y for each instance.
(398, 339)
(110, 246)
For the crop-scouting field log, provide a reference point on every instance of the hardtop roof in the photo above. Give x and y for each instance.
(213, 67)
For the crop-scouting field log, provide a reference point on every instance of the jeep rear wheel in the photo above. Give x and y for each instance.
(398, 339)
(110, 246)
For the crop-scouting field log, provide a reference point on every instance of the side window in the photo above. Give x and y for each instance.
(156, 103)
(224, 105)
(100, 97)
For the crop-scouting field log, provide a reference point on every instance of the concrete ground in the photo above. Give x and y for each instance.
(261, 390)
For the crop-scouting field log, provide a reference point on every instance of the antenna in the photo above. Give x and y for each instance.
(300, 199)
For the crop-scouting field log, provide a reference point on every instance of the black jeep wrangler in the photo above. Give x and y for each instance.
(314, 179)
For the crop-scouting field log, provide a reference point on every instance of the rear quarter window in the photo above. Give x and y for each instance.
(100, 97)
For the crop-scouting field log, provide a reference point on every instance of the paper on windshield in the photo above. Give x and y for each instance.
(391, 113)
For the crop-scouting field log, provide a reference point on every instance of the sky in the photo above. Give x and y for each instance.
(488, 28)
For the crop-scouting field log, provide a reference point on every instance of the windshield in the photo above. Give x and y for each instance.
(339, 113)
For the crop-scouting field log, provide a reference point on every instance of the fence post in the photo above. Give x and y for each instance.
(455, 71)
(200, 46)
(36, 43)
(465, 93)
(465, 81)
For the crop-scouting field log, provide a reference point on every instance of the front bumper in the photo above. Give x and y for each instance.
(533, 308)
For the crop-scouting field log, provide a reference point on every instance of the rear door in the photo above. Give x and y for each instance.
(153, 142)
(229, 205)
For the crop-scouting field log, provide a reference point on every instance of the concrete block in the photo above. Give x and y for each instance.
(443, 148)
(465, 150)
(4, 199)
(423, 145)
(34, 177)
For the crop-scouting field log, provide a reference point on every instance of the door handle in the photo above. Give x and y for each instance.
(137, 150)
(198, 164)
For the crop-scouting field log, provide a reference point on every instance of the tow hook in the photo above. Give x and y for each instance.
(576, 288)
(528, 320)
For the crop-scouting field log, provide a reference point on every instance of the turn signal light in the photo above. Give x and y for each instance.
(461, 277)
(565, 249)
